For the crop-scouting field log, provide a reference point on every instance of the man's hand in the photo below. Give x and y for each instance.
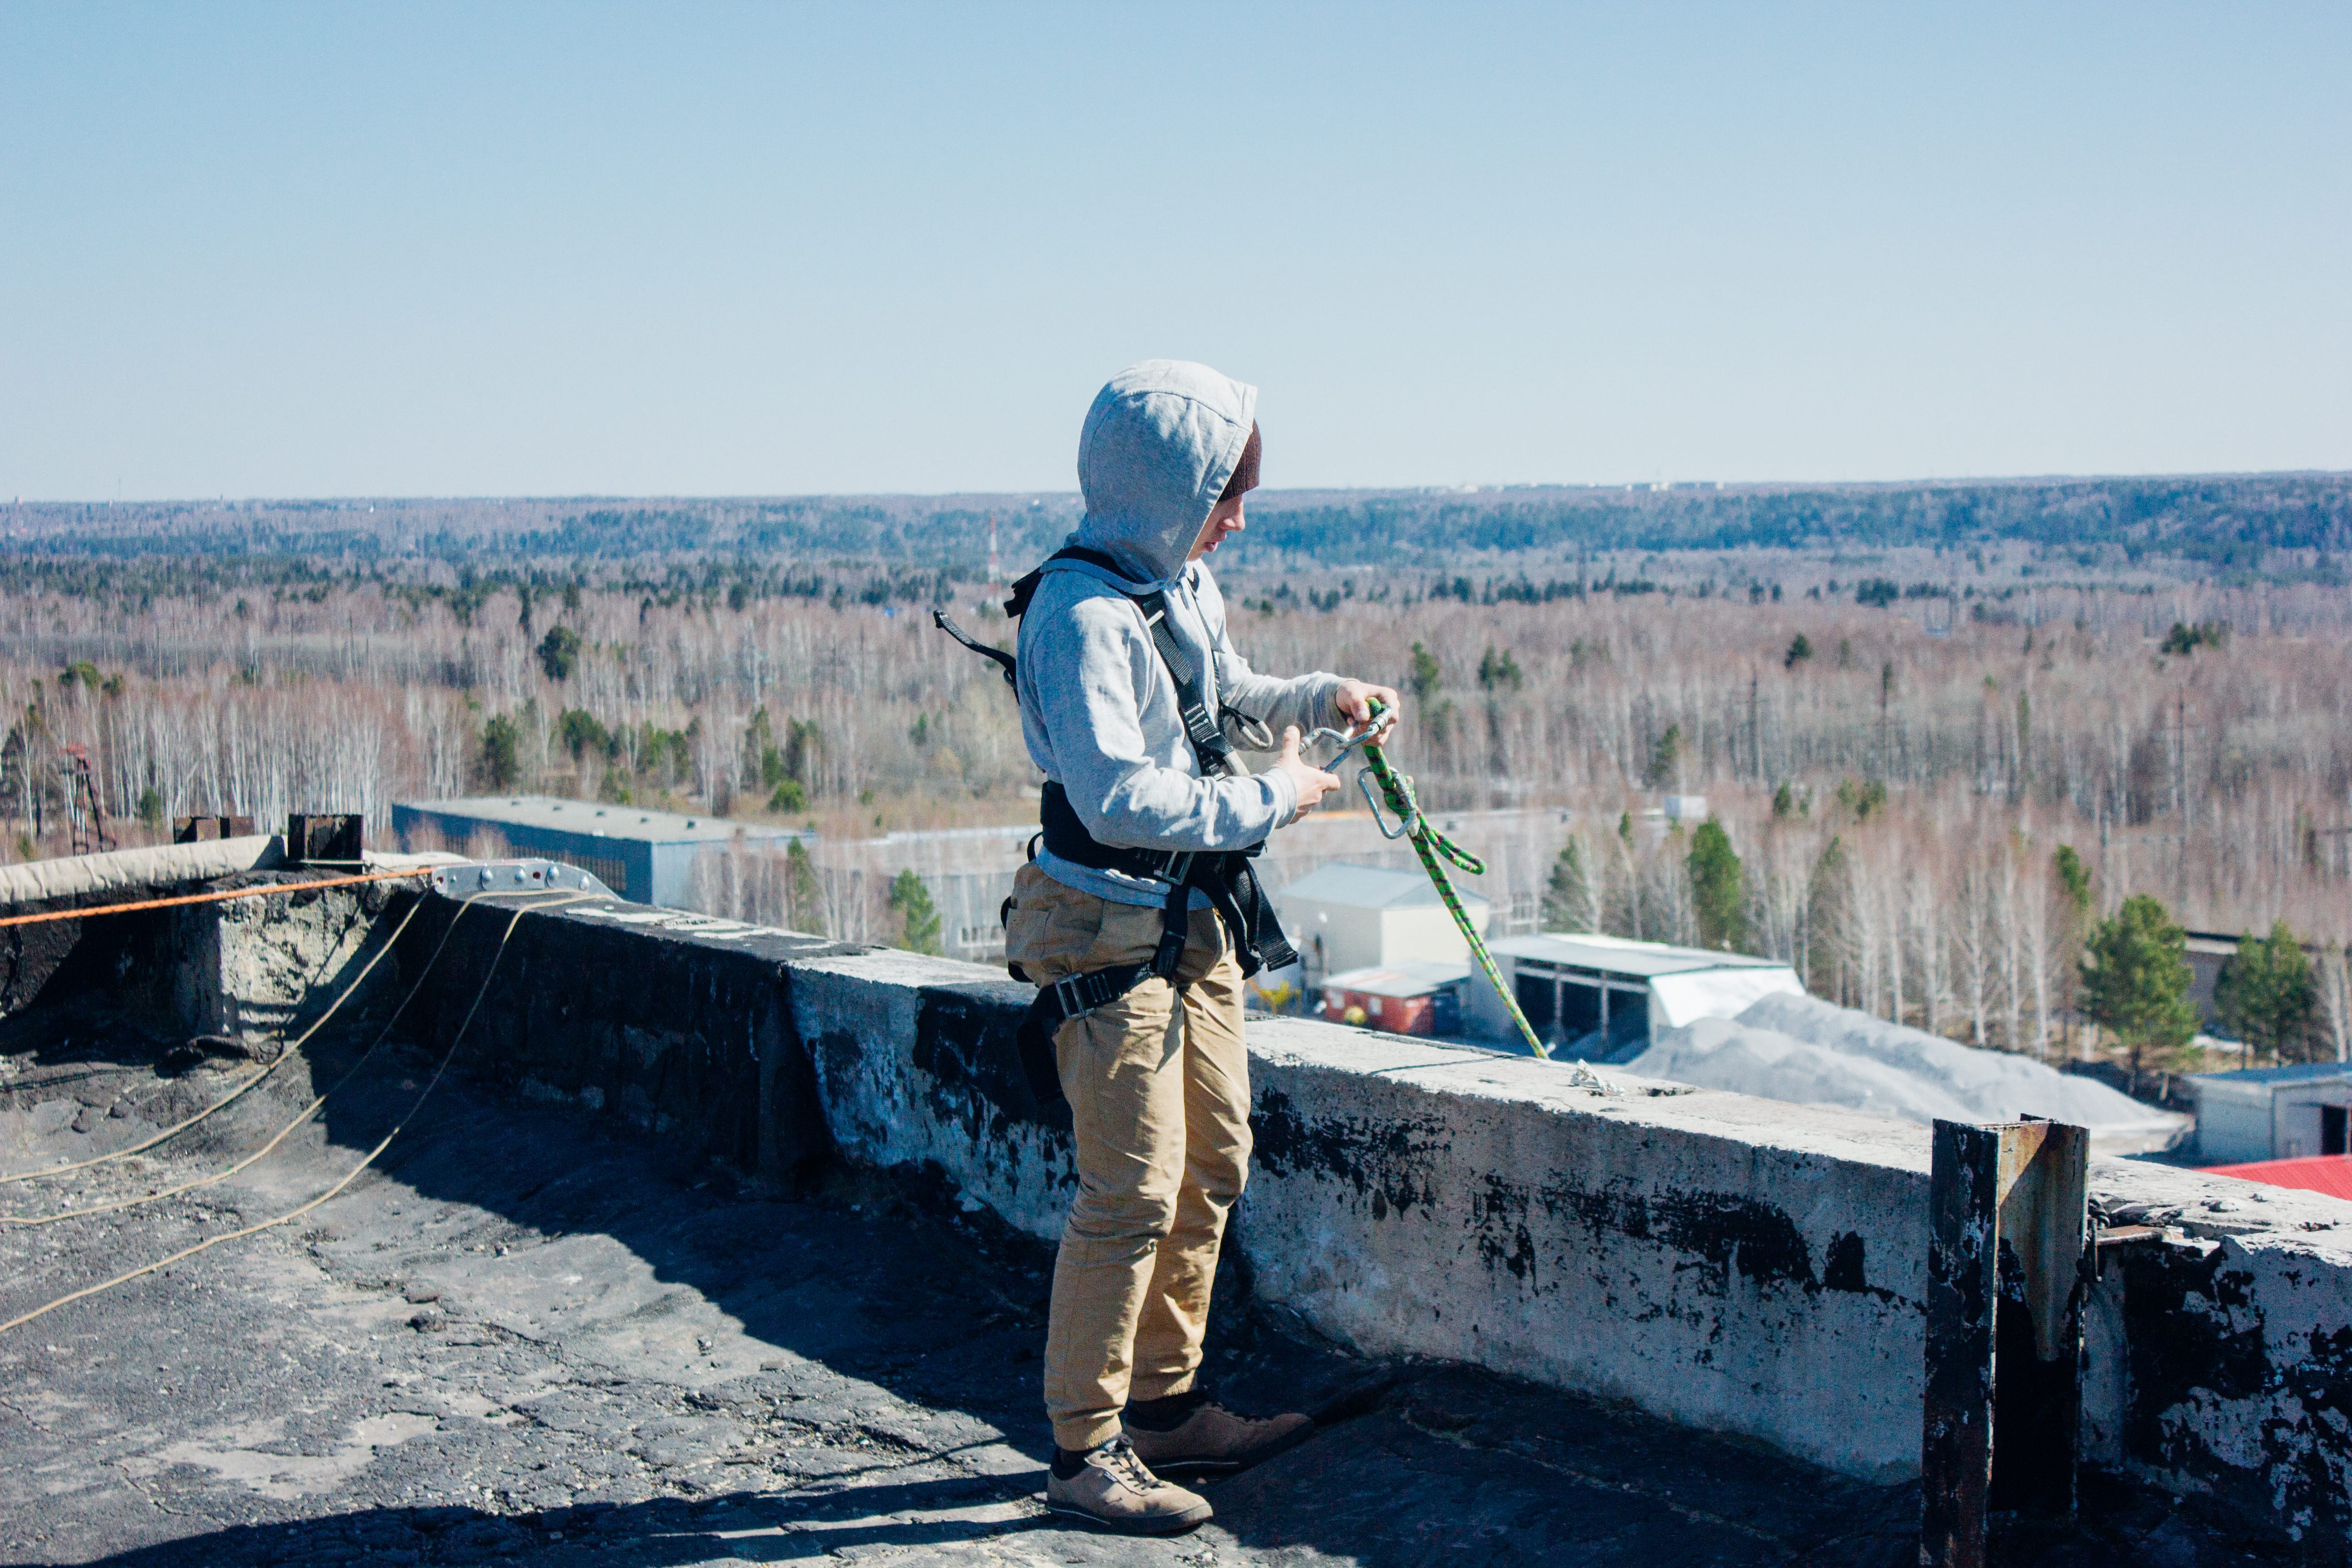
(1313, 782)
(1355, 700)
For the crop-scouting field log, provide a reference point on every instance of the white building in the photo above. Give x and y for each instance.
(1607, 997)
(2272, 1113)
(1342, 917)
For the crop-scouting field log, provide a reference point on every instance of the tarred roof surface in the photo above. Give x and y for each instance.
(2329, 1174)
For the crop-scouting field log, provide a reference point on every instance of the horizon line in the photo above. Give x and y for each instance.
(1465, 488)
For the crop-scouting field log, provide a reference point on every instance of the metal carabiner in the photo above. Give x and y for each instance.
(1406, 825)
(1377, 730)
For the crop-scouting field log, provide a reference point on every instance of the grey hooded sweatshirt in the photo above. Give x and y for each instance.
(1097, 707)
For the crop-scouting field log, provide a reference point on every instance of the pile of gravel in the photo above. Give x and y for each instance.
(1810, 1052)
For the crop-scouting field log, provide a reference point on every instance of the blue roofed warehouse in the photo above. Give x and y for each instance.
(646, 857)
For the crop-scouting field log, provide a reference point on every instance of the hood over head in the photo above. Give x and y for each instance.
(1160, 444)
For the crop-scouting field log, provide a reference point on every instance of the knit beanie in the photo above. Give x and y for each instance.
(1246, 471)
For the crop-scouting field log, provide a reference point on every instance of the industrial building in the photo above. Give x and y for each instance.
(2272, 1113)
(1606, 997)
(646, 857)
(1341, 917)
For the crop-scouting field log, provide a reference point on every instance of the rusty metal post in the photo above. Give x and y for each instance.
(317, 839)
(204, 829)
(2009, 1269)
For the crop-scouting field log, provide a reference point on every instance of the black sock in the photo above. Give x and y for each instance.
(1068, 1462)
(1164, 1415)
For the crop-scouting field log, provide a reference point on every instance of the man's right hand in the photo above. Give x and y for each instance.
(1313, 782)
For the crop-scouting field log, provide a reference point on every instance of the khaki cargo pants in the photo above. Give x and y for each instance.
(1159, 1089)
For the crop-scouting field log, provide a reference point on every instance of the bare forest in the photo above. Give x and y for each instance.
(1897, 747)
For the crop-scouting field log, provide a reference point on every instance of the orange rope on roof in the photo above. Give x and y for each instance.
(213, 897)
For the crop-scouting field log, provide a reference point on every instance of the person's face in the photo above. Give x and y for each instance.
(1225, 519)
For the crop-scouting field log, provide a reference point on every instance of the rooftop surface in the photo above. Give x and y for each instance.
(599, 818)
(524, 1336)
(1621, 956)
(1413, 979)
(2291, 1072)
(2329, 1174)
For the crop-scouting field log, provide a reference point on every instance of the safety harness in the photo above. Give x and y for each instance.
(1226, 877)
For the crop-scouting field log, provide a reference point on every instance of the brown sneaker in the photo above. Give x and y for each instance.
(1115, 1489)
(1212, 1440)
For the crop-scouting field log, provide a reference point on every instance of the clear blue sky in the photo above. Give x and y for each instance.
(726, 249)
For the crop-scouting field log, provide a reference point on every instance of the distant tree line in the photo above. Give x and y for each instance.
(2214, 517)
(2225, 522)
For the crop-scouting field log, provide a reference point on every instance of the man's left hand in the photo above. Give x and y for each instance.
(1356, 698)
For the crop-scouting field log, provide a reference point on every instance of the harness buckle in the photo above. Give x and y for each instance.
(1071, 997)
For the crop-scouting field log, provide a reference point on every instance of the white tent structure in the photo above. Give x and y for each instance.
(1810, 1052)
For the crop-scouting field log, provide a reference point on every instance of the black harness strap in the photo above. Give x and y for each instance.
(1191, 698)
(1065, 835)
(1023, 590)
(1005, 660)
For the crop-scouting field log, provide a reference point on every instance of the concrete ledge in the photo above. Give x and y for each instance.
(135, 873)
(1730, 1263)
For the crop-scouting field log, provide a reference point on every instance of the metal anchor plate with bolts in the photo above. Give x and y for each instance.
(475, 878)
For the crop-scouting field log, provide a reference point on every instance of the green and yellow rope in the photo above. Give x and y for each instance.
(1434, 849)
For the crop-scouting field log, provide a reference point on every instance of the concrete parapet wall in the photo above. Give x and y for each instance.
(1731, 1263)
(2224, 1350)
(1726, 1262)
(649, 1019)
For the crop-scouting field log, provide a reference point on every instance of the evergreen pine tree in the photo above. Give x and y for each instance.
(804, 894)
(1426, 673)
(2135, 979)
(1567, 901)
(1666, 757)
(2265, 993)
(2075, 878)
(1717, 889)
(501, 752)
(1825, 901)
(558, 651)
(918, 917)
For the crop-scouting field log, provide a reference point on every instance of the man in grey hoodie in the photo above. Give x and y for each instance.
(1116, 633)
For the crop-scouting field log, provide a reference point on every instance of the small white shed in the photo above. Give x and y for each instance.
(1608, 996)
(1343, 916)
(2272, 1113)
